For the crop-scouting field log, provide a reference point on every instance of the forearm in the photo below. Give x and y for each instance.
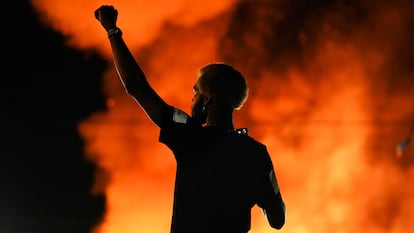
(129, 71)
(134, 80)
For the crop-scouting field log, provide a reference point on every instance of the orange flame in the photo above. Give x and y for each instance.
(318, 118)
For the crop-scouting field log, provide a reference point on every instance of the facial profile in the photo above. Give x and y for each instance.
(198, 112)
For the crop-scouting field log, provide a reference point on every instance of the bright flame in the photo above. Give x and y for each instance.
(319, 114)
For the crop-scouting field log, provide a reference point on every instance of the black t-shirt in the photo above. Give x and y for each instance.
(220, 176)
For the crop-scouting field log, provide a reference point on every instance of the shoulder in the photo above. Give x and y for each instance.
(247, 140)
(173, 115)
(177, 122)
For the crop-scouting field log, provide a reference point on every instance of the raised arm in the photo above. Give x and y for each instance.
(132, 77)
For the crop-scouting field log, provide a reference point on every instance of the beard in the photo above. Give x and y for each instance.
(199, 115)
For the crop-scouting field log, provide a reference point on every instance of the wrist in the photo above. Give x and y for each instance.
(114, 32)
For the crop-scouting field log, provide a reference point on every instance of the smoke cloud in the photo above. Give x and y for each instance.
(331, 95)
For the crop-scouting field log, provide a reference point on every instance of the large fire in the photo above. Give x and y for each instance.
(331, 95)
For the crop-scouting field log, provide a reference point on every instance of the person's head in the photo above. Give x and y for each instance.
(219, 84)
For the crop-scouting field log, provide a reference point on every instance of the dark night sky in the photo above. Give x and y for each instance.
(46, 90)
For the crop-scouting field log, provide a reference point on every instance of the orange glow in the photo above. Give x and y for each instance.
(322, 121)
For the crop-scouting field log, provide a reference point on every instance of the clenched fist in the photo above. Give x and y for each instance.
(107, 15)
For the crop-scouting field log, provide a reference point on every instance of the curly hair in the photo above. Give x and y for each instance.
(223, 82)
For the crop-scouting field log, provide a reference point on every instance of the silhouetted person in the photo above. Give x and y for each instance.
(221, 171)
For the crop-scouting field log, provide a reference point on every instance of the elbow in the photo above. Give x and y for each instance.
(134, 93)
(276, 218)
(129, 90)
(278, 223)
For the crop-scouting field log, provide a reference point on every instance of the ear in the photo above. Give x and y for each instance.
(208, 100)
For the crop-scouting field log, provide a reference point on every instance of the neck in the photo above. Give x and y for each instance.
(219, 117)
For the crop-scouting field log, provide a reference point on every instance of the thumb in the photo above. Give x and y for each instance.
(97, 15)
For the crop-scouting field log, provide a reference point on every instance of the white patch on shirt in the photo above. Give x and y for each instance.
(273, 181)
(179, 116)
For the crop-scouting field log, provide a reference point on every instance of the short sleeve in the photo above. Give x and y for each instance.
(177, 132)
